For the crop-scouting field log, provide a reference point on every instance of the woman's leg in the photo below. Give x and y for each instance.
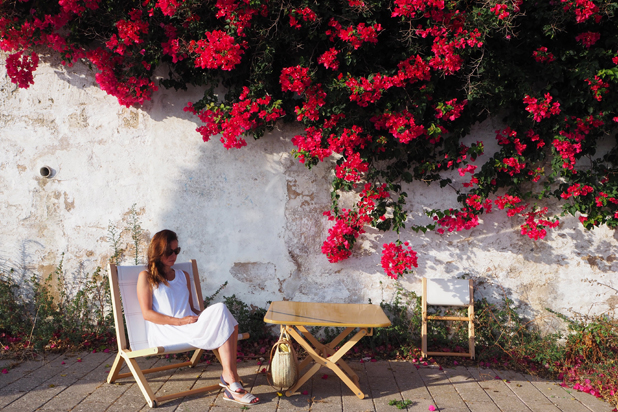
(227, 353)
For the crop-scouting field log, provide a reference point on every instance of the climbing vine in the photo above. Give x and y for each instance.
(387, 88)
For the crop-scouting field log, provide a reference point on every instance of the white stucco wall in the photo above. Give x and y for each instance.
(252, 216)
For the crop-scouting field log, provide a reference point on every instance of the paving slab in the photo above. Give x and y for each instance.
(468, 388)
(559, 397)
(59, 379)
(82, 387)
(351, 402)
(442, 391)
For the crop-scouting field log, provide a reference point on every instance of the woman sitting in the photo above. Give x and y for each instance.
(166, 301)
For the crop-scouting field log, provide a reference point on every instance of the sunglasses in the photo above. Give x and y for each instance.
(169, 252)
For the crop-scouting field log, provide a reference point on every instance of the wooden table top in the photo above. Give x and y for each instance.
(326, 314)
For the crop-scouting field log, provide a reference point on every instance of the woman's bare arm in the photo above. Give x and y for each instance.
(144, 296)
(193, 308)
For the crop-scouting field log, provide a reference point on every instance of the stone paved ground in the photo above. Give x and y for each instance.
(76, 382)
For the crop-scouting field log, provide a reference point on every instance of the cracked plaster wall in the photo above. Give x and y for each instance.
(252, 217)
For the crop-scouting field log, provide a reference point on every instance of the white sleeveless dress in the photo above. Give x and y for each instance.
(213, 328)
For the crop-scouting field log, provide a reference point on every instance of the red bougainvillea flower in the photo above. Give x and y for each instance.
(541, 109)
(401, 125)
(535, 225)
(588, 38)
(218, 50)
(500, 10)
(398, 259)
(598, 87)
(20, 68)
(295, 79)
(169, 7)
(584, 9)
(509, 203)
(329, 59)
(450, 110)
(541, 55)
(352, 169)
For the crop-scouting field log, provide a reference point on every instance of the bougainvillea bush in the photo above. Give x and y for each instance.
(388, 89)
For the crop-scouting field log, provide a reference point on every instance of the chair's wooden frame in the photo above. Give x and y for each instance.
(125, 354)
(469, 319)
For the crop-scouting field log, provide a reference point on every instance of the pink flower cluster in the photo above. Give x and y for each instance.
(508, 136)
(356, 36)
(535, 138)
(350, 224)
(369, 90)
(20, 68)
(398, 259)
(237, 13)
(172, 47)
(295, 79)
(445, 44)
(75, 6)
(129, 91)
(603, 198)
(310, 145)
(232, 122)
(542, 109)
(306, 14)
(349, 140)
(457, 220)
(500, 10)
(542, 55)
(509, 203)
(468, 169)
(409, 8)
(315, 97)
(584, 9)
(535, 228)
(511, 166)
(588, 38)
(218, 50)
(401, 125)
(169, 7)
(128, 33)
(598, 87)
(352, 168)
(577, 190)
(476, 202)
(329, 59)
(450, 109)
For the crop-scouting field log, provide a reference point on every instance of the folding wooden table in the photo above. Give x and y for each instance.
(294, 317)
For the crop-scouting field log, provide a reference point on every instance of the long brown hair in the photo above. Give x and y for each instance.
(159, 247)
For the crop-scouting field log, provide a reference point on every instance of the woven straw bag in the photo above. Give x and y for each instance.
(283, 366)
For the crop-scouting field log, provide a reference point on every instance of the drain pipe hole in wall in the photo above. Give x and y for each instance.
(47, 172)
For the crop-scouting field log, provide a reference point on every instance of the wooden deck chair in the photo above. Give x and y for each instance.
(123, 285)
(448, 292)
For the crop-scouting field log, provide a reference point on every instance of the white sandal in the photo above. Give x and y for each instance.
(234, 386)
(246, 399)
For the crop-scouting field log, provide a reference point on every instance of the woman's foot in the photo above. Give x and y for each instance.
(235, 386)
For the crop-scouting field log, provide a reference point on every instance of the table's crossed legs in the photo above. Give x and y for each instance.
(326, 355)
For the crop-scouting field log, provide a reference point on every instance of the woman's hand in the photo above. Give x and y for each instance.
(186, 320)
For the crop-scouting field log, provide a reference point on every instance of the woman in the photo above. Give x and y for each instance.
(166, 301)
